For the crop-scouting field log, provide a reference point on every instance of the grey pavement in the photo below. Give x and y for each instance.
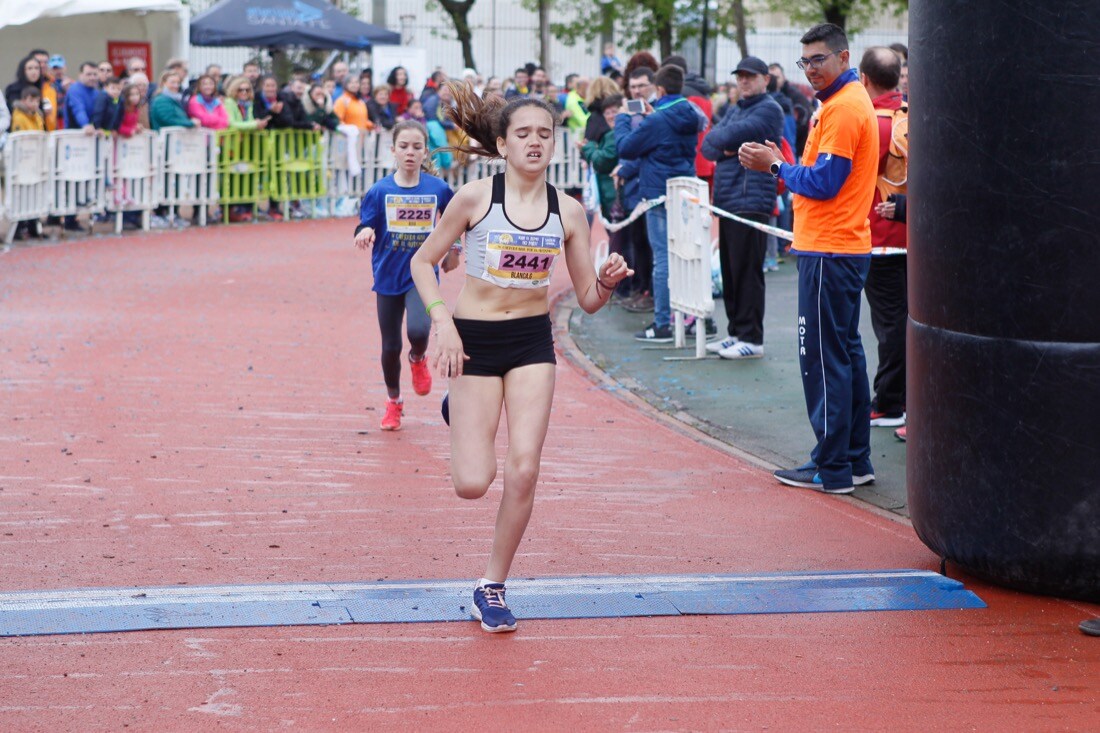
(755, 405)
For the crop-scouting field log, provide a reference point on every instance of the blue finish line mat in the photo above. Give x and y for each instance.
(35, 613)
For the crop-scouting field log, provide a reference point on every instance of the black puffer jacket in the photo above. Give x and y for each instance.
(737, 189)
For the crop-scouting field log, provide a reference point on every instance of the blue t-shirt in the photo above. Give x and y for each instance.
(402, 218)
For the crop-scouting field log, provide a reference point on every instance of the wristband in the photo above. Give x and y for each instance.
(433, 304)
(606, 287)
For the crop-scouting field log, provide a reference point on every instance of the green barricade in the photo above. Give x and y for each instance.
(297, 165)
(243, 167)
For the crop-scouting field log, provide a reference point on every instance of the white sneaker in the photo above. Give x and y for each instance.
(715, 347)
(742, 350)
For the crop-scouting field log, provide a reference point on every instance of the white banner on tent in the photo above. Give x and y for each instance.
(689, 277)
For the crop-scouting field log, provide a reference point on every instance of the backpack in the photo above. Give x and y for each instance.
(895, 174)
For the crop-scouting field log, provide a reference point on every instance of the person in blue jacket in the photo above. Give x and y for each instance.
(756, 117)
(80, 100)
(664, 146)
(396, 216)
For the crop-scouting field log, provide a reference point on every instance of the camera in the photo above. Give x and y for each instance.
(635, 106)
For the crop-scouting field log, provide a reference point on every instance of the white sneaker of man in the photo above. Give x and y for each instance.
(721, 345)
(742, 350)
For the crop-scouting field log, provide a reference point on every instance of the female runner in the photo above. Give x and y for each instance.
(498, 348)
(396, 216)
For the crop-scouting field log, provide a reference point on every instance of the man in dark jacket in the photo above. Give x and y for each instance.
(757, 117)
(664, 145)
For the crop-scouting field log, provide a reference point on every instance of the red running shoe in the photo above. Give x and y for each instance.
(392, 419)
(274, 215)
(422, 375)
(900, 434)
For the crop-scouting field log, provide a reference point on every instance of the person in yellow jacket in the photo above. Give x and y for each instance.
(26, 114)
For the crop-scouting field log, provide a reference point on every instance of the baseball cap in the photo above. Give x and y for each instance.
(752, 65)
(56, 61)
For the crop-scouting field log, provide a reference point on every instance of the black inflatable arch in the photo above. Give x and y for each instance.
(1004, 279)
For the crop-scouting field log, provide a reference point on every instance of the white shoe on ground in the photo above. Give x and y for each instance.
(742, 350)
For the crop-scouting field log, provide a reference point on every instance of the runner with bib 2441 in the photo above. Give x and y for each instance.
(498, 347)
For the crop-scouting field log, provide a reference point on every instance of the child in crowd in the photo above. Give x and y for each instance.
(26, 114)
(106, 112)
(415, 112)
(134, 117)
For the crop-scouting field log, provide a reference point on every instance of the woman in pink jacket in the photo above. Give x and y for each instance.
(206, 106)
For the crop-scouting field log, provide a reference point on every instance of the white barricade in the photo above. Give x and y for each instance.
(78, 172)
(26, 179)
(689, 247)
(189, 169)
(135, 162)
(345, 186)
(377, 156)
(567, 167)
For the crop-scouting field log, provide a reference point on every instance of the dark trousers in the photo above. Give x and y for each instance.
(834, 368)
(887, 295)
(392, 309)
(634, 241)
(741, 255)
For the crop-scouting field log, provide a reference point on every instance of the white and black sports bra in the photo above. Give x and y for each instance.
(500, 252)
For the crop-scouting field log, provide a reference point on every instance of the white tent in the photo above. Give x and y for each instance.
(79, 29)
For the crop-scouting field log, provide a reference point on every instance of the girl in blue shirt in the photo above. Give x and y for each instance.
(396, 216)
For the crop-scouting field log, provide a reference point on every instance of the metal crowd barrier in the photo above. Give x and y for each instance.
(689, 259)
(26, 194)
(78, 169)
(189, 169)
(68, 172)
(133, 184)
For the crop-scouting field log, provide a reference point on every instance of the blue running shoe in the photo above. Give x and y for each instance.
(807, 477)
(490, 609)
(446, 407)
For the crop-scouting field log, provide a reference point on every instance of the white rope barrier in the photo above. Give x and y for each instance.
(781, 233)
(639, 210)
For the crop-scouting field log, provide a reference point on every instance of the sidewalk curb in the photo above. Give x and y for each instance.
(642, 399)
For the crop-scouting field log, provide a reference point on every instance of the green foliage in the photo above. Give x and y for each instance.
(638, 23)
(852, 15)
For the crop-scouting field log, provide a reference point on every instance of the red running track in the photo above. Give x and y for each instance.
(190, 408)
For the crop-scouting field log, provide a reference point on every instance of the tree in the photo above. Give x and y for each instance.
(645, 22)
(459, 12)
(851, 15)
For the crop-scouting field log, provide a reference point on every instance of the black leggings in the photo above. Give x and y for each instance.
(391, 310)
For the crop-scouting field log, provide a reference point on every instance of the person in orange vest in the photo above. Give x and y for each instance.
(833, 189)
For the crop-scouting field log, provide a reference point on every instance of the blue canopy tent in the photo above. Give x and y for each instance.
(282, 23)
